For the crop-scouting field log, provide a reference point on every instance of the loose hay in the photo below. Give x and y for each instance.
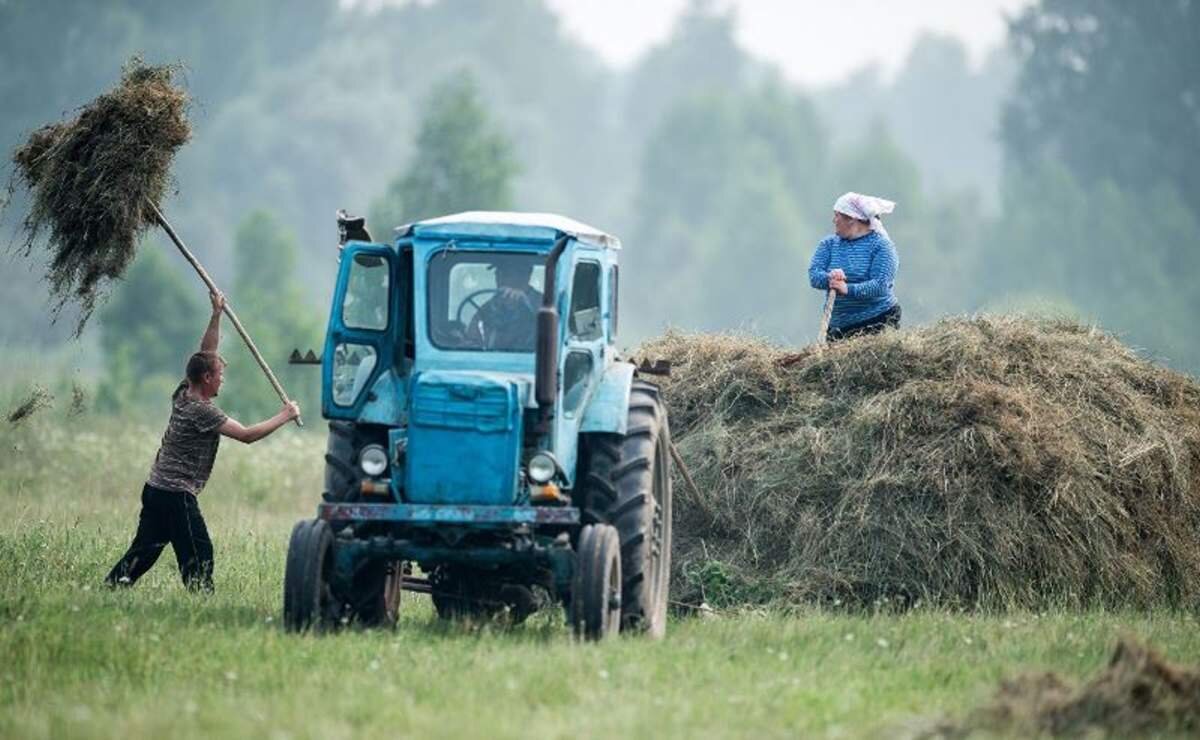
(79, 400)
(39, 398)
(976, 462)
(1137, 693)
(92, 177)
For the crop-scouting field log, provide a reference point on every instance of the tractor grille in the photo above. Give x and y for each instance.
(464, 439)
(462, 406)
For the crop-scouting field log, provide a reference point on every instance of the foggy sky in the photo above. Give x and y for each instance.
(813, 41)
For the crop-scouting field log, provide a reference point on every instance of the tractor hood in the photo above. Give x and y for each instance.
(464, 437)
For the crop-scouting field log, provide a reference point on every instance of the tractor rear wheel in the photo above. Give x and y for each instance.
(595, 609)
(308, 602)
(627, 483)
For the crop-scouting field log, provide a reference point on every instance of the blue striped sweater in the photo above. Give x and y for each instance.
(870, 264)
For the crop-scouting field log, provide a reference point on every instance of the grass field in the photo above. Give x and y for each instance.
(77, 660)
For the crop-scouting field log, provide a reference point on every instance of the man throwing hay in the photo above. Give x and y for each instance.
(170, 508)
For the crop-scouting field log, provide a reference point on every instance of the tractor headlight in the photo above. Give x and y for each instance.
(373, 460)
(542, 468)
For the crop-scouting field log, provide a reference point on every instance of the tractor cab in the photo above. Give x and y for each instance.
(483, 429)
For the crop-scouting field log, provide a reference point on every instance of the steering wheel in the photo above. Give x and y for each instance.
(475, 327)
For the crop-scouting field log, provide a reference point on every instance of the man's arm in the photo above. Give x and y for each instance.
(248, 435)
(212, 335)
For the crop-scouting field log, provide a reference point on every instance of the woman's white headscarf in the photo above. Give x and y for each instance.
(865, 208)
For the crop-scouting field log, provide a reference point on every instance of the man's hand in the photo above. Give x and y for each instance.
(515, 297)
(212, 335)
(837, 274)
(251, 434)
(839, 286)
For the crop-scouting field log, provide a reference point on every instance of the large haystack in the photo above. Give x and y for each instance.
(92, 178)
(975, 462)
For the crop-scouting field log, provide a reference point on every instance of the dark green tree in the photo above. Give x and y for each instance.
(1106, 251)
(271, 305)
(941, 111)
(701, 57)
(723, 240)
(148, 329)
(1112, 90)
(462, 161)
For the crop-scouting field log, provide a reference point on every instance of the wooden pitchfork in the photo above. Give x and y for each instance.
(212, 287)
(822, 337)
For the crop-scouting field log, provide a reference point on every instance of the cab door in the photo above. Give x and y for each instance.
(582, 360)
(359, 342)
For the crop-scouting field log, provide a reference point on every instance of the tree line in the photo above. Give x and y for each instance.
(1058, 177)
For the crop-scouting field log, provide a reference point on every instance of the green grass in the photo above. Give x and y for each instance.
(77, 660)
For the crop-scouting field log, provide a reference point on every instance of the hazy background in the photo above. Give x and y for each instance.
(1045, 157)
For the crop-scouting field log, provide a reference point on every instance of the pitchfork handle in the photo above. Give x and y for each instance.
(212, 287)
(830, 297)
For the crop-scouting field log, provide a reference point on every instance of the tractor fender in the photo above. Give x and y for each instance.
(608, 411)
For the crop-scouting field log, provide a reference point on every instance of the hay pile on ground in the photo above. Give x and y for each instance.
(91, 177)
(39, 398)
(1137, 694)
(976, 462)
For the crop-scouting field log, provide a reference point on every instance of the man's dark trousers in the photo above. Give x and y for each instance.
(168, 516)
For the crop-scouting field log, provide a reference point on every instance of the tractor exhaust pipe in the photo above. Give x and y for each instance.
(546, 378)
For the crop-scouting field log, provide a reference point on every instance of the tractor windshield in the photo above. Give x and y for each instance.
(485, 300)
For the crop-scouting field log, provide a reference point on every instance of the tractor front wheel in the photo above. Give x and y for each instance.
(627, 483)
(595, 610)
(308, 602)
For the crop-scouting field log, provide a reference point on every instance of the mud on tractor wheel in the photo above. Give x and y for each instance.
(626, 482)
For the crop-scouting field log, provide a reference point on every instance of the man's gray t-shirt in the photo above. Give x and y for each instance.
(189, 446)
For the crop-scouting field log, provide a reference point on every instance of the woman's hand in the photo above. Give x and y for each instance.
(837, 274)
(218, 301)
(839, 286)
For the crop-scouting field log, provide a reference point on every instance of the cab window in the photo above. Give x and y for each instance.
(613, 285)
(584, 321)
(367, 288)
(481, 300)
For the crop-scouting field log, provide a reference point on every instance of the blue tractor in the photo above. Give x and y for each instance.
(483, 429)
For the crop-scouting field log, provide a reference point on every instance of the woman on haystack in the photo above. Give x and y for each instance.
(859, 263)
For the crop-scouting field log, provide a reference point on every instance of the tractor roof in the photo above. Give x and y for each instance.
(509, 224)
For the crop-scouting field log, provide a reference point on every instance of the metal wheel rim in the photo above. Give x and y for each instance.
(612, 597)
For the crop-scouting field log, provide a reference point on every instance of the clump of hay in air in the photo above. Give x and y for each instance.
(92, 178)
(39, 398)
(976, 462)
(1138, 693)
